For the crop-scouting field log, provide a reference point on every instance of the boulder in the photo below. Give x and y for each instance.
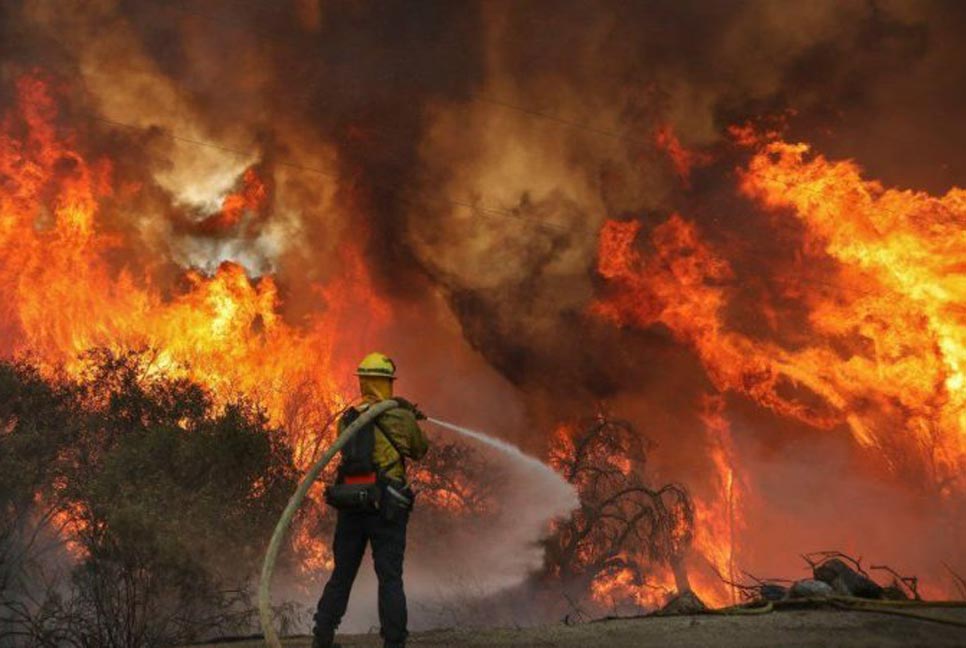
(846, 581)
(809, 588)
(772, 592)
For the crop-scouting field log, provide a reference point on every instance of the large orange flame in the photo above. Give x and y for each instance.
(883, 355)
(68, 284)
(897, 294)
(64, 290)
(894, 296)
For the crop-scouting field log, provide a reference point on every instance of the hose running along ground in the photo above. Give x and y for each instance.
(853, 604)
(264, 586)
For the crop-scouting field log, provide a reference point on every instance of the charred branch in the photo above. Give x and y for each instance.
(960, 582)
(623, 524)
(911, 583)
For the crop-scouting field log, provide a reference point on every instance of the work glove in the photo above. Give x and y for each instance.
(409, 405)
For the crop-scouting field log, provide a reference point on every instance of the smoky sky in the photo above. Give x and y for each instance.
(420, 102)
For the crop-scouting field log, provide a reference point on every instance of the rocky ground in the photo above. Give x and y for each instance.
(810, 628)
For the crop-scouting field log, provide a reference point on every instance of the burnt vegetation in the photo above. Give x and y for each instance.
(623, 524)
(453, 477)
(134, 506)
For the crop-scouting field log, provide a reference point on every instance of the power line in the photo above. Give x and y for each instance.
(576, 125)
(695, 213)
(573, 124)
(692, 213)
(482, 209)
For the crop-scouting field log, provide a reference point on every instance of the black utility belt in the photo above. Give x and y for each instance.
(388, 496)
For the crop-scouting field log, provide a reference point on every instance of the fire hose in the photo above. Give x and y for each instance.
(268, 566)
(853, 604)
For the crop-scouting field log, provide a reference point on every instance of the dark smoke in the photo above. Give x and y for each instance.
(406, 94)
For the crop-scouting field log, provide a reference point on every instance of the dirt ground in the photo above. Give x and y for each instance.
(787, 628)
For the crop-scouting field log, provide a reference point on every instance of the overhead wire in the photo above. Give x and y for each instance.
(532, 112)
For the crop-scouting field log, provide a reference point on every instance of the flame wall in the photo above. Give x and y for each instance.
(586, 204)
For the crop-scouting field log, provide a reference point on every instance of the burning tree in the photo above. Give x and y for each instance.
(453, 478)
(625, 531)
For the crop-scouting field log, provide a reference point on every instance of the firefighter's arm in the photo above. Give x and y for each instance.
(401, 423)
(418, 443)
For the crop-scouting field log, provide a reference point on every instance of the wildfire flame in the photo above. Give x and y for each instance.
(897, 293)
(717, 520)
(614, 587)
(682, 159)
(894, 294)
(63, 292)
(883, 353)
(879, 272)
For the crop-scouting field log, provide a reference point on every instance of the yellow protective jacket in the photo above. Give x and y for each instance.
(400, 423)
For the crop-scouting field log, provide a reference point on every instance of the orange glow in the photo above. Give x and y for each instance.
(251, 197)
(68, 523)
(316, 555)
(717, 520)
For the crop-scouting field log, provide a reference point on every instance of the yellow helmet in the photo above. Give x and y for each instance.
(378, 365)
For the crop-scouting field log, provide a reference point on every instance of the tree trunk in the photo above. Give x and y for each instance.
(680, 569)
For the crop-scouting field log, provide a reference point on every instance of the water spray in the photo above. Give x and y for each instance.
(502, 446)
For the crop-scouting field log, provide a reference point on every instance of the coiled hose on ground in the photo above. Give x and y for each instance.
(264, 586)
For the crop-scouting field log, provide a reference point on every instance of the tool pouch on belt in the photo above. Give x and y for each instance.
(397, 497)
(397, 500)
(354, 498)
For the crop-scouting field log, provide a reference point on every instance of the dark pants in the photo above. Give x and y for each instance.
(388, 539)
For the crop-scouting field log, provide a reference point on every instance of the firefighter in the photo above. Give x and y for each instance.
(373, 502)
